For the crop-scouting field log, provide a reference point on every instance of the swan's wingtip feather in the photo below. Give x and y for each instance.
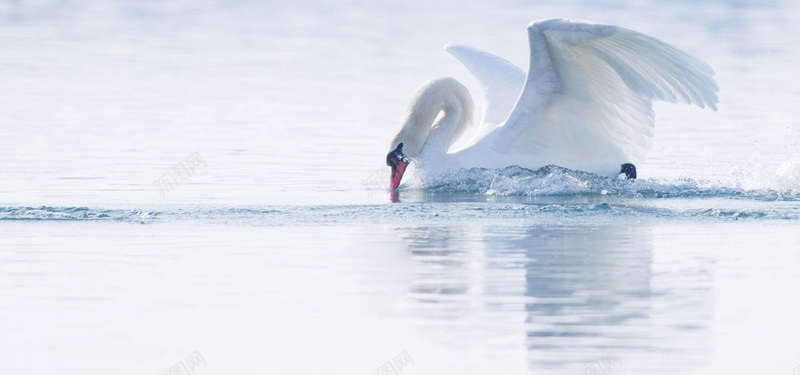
(548, 21)
(455, 48)
(567, 24)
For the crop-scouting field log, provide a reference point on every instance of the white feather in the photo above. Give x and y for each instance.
(587, 99)
(500, 81)
(585, 104)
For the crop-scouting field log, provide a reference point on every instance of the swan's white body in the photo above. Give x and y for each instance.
(585, 104)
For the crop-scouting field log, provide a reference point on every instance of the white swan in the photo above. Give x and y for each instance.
(585, 104)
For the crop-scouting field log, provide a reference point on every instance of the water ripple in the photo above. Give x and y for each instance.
(549, 212)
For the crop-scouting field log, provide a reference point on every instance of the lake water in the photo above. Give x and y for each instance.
(281, 251)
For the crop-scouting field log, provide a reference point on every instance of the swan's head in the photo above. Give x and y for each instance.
(410, 138)
(398, 161)
(406, 146)
(435, 118)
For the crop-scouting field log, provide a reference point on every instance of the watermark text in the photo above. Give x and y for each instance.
(399, 364)
(188, 366)
(179, 173)
(604, 366)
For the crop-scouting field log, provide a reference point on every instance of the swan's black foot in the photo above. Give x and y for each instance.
(629, 170)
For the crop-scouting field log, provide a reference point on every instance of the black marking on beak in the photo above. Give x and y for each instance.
(629, 170)
(396, 155)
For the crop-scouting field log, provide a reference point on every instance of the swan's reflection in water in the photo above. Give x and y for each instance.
(560, 299)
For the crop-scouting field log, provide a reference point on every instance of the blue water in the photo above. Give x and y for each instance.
(512, 195)
(280, 251)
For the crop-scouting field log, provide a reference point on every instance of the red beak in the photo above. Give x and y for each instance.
(398, 162)
(398, 168)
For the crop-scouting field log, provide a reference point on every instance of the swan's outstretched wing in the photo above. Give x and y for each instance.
(500, 81)
(589, 91)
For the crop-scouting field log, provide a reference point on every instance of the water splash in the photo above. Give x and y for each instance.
(749, 181)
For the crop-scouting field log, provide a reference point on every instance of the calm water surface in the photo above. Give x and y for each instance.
(281, 252)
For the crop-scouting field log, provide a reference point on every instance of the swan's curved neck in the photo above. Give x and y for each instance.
(436, 118)
(448, 127)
